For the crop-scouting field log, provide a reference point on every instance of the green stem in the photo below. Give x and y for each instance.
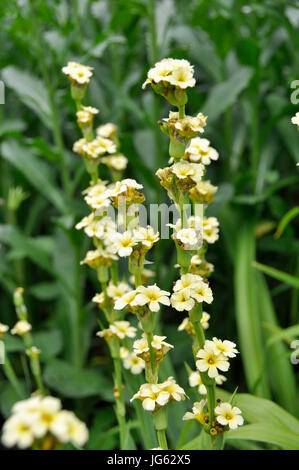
(120, 407)
(162, 439)
(211, 395)
(149, 337)
(182, 111)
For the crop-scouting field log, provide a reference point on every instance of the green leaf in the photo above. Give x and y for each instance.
(13, 343)
(264, 432)
(225, 94)
(49, 342)
(30, 90)
(45, 290)
(8, 398)
(279, 368)
(36, 171)
(286, 220)
(28, 246)
(277, 274)
(71, 382)
(248, 321)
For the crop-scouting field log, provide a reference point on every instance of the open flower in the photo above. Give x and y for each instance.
(151, 296)
(176, 392)
(152, 396)
(146, 236)
(202, 293)
(197, 412)
(68, 428)
(116, 291)
(134, 363)
(80, 74)
(126, 299)
(230, 416)
(182, 300)
(123, 243)
(227, 348)
(123, 329)
(17, 433)
(210, 360)
(187, 281)
(115, 162)
(188, 237)
(199, 151)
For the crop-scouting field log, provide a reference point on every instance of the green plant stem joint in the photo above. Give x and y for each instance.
(160, 418)
(183, 258)
(78, 92)
(92, 169)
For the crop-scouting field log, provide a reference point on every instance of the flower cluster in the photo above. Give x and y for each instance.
(77, 73)
(42, 418)
(189, 290)
(156, 395)
(131, 361)
(171, 72)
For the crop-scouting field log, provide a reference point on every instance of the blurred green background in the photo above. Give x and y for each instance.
(245, 56)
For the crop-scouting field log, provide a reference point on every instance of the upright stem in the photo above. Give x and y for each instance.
(162, 439)
(120, 407)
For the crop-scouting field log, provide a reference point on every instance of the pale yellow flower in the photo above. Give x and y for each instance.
(21, 328)
(116, 291)
(200, 151)
(182, 300)
(80, 74)
(123, 329)
(227, 348)
(126, 299)
(146, 236)
(123, 243)
(151, 296)
(229, 416)
(210, 360)
(115, 162)
(134, 363)
(108, 130)
(85, 115)
(197, 412)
